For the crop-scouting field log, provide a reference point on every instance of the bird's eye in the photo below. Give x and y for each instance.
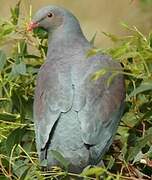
(49, 15)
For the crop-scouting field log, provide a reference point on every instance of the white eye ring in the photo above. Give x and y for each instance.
(49, 15)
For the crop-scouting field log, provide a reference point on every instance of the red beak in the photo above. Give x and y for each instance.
(32, 25)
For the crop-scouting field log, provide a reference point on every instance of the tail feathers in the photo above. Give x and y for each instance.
(66, 139)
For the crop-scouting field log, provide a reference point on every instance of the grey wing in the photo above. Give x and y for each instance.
(102, 111)
(52, 98)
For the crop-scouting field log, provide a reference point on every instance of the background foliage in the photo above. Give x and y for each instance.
(131, 153)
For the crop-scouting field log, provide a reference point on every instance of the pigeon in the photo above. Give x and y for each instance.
(74, 115)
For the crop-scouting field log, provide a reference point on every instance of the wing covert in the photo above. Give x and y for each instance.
(102, 111)
(52, 98)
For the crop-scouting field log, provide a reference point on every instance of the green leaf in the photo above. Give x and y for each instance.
(23, 48)
(32, 56)
(43, 163)
(123, 131)
(93, 52)
(24, 175)
(93, 171)
(125, 25)
(133, 151)
(15, 13)
(111, 78)
(98, 74)
(58, 156)
(14, 138)
(5, 116)
(40, 33)
(138, 157)
(111, 36)
(130, 119)
(18, 69)
(2, 60)
(118, 52)
(92, 41)
(145, 86)
(20, 168)
(111, 162)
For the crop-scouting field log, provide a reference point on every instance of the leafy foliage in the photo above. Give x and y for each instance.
(131, 153)
(135, 54)
(145, 2)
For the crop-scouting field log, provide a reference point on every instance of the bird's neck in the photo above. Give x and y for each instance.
(66, 41)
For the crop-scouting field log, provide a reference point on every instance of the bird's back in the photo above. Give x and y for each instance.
(83, 113)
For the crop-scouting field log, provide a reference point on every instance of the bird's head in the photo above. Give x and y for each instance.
(52, 17)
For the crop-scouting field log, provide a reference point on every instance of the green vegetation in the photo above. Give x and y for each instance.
(130, 155)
